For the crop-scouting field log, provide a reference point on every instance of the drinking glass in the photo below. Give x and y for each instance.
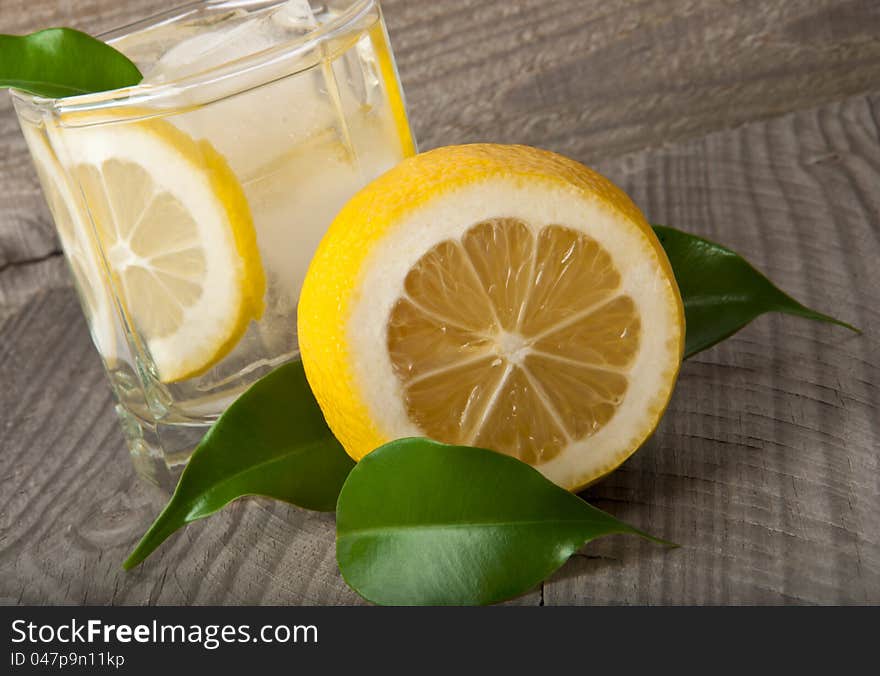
(190, 205)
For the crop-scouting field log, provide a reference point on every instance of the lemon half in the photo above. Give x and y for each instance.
(497, 296)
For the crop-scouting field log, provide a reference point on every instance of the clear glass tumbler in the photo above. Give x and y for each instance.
(190, 205)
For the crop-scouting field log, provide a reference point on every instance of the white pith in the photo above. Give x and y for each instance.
(214, 314)
(538, 205)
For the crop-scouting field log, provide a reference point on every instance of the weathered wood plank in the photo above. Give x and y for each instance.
(593, 79)
(590, 79)
(765, 468)
(20, 281)
(26, 231)
(71, 507)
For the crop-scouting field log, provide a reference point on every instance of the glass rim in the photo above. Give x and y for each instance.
(137, 97)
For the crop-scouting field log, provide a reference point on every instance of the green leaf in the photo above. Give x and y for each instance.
(272, 441)
(721, 291)
(59, 62)
(422, 523)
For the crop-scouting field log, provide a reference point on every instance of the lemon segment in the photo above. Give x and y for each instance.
(497, 296)
(177, 234)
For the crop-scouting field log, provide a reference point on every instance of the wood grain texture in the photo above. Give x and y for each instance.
(591, 79)
(71, 507)
(765, 468)
(587, 78)
(21, 280)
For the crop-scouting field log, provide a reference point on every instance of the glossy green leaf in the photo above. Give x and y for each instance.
(272, 441)
(422, 523)
(721, 291)
(59, 62)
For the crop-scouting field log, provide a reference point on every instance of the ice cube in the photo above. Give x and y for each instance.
(261, 114)
(234, 39)
(296, 14)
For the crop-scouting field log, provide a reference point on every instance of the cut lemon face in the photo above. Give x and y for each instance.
(78, 246)
(177, 234)
(495, 296)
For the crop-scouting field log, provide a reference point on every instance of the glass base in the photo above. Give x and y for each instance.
(159, 450)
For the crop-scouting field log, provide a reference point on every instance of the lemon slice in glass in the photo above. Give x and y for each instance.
(177, 233)
(78, 245)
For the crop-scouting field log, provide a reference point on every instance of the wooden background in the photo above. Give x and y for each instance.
(752, 122)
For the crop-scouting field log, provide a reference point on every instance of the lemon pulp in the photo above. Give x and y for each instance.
(513, 342)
